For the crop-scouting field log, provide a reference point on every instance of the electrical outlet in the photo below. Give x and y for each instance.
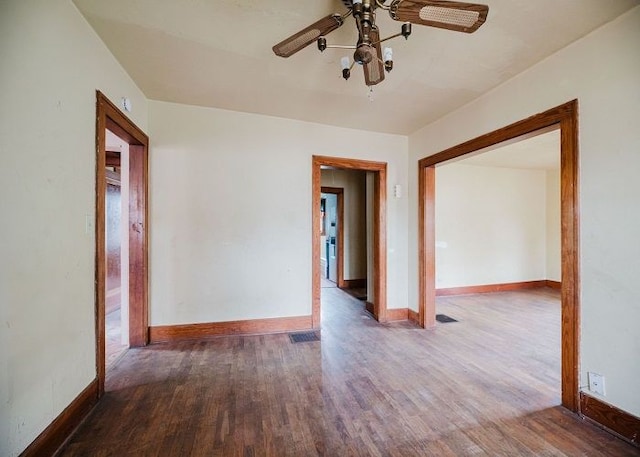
(596, 383)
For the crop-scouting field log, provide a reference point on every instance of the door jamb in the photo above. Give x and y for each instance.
(339, 193)
(566, 118)
(108, 116)
(379, 231)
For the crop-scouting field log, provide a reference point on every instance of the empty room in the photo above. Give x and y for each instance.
(188, 268)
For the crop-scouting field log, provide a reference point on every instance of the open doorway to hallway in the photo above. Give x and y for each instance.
(117, 248)
(346, 229)
(375, 178)
(118, 140)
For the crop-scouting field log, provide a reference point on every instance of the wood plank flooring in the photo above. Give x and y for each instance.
(488, 385)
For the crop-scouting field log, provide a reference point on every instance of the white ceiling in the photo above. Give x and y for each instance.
(217, 53)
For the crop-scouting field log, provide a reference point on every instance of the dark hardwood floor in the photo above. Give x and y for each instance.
(487, 385)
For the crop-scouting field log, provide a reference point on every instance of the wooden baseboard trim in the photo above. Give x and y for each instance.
(353, 283)
(170, 333)
(413, 316)
(489, 288)
(397, 314)
(55, 435)
(553, 284)
(615, 420)
(368, 306)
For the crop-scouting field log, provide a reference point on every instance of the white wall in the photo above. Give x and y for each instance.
(554, 247)
(355, 225)
(484, 234)
(602, 70)
(52, 63)
(231, 212)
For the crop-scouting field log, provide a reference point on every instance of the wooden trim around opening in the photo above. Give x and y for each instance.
(379, 279)
(172, 333)
(566, 118)
(55, 435)
(490, 288)
(108, 116)
(613, 419)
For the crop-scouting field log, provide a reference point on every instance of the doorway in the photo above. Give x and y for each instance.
(565, 118)
(117, 248)
(134, 228)
(332, 235)
(377, 299)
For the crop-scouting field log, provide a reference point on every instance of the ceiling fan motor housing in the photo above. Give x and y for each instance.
(364, 53)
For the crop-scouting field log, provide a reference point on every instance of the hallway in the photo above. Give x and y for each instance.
(485, 385)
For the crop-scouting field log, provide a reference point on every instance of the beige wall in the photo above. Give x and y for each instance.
(231, 212)
(355, 224)
(52, 63)
(552, 194)
(485, 235)
(602, 71)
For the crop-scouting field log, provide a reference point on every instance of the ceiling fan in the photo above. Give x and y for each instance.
(451, 15)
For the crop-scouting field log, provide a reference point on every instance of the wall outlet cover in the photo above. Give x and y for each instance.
(596, 383)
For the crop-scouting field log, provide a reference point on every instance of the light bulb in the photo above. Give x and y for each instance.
(345, 63)
(388, 54)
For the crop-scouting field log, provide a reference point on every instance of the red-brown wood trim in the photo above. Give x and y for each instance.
(427, 247)
(613, 419)
(138, 246)
(339, 193)
(354, 283)
(350, 164)
(566, 117)
(54, 436)
(570, 256)
(100, 235)
(490, 288)
(553, 284)
(380, 245)
(370, 307)
(514, 131)
(379, 230)
(397, 314)
(108, 116)
(172, 333)
(413, 316)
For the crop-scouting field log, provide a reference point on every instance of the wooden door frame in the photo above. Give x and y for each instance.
(564, 117)
(339, 193)
(379, 308)
(108, 116)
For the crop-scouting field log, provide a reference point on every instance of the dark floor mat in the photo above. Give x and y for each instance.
(304, 337)
(444, 319)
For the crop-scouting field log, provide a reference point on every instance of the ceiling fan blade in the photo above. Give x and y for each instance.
(308, 35)
(458, 16)
(374, 70)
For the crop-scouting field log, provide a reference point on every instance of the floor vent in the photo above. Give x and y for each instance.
(304, 337)
(444, 319)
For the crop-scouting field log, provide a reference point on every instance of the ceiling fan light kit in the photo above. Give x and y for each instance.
(456, 16)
